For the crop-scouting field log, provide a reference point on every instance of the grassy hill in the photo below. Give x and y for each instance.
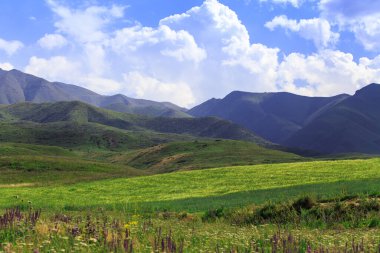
(36, 165)
(73, 124)
(175, 156)
(204, 189)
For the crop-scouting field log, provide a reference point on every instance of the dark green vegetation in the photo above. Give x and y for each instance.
(75, 124)
(18, 87)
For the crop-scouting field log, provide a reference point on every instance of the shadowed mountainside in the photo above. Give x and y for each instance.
(273, 116)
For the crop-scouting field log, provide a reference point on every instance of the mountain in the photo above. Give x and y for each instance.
(353, 125)
(18, 87)
(273, 116)
(68, 122)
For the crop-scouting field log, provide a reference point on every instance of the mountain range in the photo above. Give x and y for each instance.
(18, 87)
(338, 124)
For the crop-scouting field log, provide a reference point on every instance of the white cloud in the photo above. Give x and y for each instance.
(179, 45)
(151, 88)
(360, 17)
(190, 57)
(86, 25)
(6, 66)
(317, 29)
(295, 3)
(10, 47)
(232, 59)
(326, 73)
(57, 68)
(62, 69)
(52, 41)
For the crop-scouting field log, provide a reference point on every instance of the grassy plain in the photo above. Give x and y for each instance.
(200, 190)
(98, 200)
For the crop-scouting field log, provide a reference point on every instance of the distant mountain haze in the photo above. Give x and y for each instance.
(18, 87)
(353, 125)
(339, 124)
(274, 116)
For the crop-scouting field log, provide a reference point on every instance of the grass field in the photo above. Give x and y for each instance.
(97, 200)
(203, 189)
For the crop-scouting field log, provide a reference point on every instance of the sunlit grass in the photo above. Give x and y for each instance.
(199, 185)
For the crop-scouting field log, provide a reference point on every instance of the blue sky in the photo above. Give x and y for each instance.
(189, 51)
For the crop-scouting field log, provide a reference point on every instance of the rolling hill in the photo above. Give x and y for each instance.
(273, 116)
(18, 87)
(200, 154)
(350, 126)
(75, 123)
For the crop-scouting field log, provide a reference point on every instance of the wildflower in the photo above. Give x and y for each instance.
(83, 244)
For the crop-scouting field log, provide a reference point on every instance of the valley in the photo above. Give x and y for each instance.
(232, 175)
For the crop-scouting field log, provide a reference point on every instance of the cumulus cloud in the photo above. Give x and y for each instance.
(326, 73)
(87, 25)
(57, 68)
(360, 17)
(317, 29)
(6, 66)
(165, 41)
(52, 41)
(10, 47)
(151, 88)
(190, 57)
(62, 69)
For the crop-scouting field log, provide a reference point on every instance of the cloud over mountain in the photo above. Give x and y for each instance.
(188, 57)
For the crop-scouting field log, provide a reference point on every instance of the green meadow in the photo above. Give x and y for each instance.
(189, 196)
(200, 190)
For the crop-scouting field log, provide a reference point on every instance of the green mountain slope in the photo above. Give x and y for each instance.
(76, 123)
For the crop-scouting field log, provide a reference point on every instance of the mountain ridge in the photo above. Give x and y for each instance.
(18, 87)
(274, 116)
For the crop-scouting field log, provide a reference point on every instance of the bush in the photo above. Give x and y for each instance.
(305, 203)
(213, 214)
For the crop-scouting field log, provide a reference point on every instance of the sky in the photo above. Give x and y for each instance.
(189, 51)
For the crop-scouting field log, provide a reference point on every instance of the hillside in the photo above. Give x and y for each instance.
(200, 154)
(205, 189)
(75, 124)
(350, 126)
(273, 116)
(18, 87)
